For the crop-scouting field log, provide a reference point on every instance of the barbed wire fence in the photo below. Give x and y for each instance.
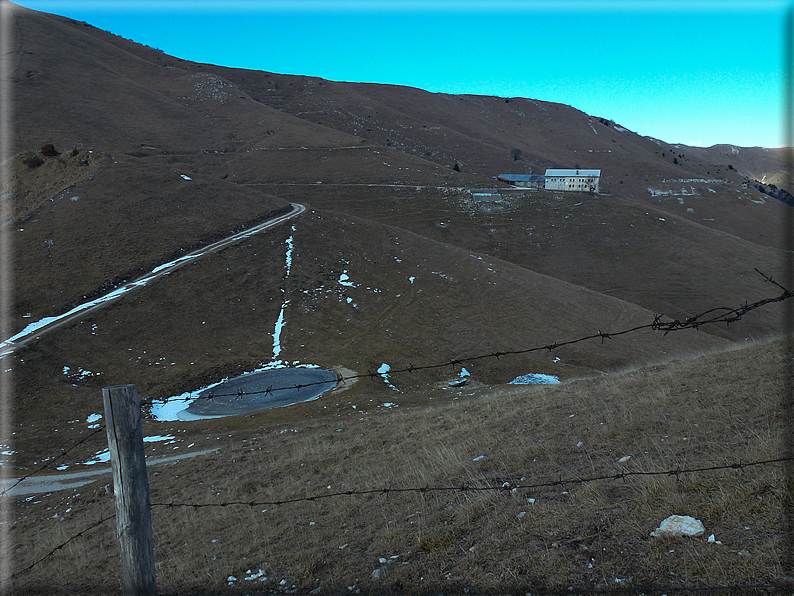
(465, 487)
(724, 314)
(505, 487)
(727, 315)
(51, 460)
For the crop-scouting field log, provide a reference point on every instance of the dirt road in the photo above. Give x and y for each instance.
(53, 482)
(39, 328)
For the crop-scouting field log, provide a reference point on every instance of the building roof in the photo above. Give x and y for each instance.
(521, 177)
(588, 173)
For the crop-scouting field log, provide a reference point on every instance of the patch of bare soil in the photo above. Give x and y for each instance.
(36, 177)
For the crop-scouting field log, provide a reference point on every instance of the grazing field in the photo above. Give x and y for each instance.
(713, 409)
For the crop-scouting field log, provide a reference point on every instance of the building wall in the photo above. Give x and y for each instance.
(573, 183)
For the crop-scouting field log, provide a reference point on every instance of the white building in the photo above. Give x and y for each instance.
(573, 180)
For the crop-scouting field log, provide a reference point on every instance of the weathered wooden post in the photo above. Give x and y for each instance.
(131, 487)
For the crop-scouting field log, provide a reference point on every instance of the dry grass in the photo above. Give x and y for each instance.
(718, 408)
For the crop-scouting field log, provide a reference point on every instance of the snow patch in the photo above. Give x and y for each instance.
(655, 192)
(382, 371)
(535, 379)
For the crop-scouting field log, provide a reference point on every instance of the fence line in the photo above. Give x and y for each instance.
(63, 453)
(505, 487)
(82, 532)
(725, 315)
(715, 315)
(728, 316)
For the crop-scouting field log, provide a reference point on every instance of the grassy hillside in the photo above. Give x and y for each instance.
(394, 262)
(717, 409)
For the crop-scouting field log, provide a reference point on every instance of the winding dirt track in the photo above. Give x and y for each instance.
(40, 483)
(47, 324)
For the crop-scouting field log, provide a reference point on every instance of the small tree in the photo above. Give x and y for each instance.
(49, 150)
(516, 154)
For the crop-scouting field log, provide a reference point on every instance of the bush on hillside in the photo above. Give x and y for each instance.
(33, 162)
(49, 150)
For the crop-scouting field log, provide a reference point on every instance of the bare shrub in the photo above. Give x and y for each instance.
(33, 162)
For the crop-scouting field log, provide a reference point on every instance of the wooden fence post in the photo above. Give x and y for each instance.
(131, 488)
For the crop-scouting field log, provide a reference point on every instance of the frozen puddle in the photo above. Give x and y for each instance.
(251, 392)
(535, 379)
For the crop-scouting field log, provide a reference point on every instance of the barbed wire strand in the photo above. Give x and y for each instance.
(732, 315)
(82, 532)
(504, 487)
(63, 454)
(657, 324)
(728, 316)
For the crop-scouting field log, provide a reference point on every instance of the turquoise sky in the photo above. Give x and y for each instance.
(692, 72)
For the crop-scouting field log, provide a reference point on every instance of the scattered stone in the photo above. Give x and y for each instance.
(624, 459)
(679, 525)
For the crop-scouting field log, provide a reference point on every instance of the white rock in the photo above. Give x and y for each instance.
(624, 459)
(679, 525)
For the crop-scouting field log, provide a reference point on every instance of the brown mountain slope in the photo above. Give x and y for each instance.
(672, 237)
(758, 163)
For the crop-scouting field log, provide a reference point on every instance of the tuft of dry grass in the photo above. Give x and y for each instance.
(716, 409)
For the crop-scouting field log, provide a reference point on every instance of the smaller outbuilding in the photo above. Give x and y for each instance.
(523, 180)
